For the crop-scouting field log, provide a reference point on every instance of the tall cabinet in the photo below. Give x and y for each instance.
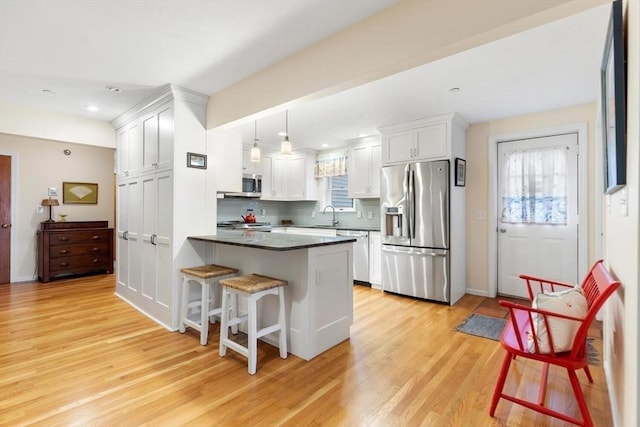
(160, 201)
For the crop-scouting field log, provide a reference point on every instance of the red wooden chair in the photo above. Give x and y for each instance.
(597, 286)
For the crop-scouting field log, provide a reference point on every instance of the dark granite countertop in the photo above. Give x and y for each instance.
(331, 227)
(270, 241)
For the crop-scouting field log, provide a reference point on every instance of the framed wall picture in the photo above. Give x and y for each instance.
(79, 193)
(195, 160)
(461, 172)
(613, 103)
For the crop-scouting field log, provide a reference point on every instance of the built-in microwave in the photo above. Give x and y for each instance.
(251, 183)
(251, 187)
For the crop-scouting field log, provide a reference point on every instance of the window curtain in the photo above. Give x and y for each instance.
(332, 163)
(535, 186)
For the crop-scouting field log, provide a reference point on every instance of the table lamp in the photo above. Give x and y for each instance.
(50, 202)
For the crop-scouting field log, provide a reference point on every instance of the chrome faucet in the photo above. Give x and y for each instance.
(334, 222)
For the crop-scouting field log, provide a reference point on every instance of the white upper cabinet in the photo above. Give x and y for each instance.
(289, 177)
(157, 139)
(420, 140)
(364, 168)
(128, 150)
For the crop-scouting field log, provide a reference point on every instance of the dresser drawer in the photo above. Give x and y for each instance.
(74, 248)
(73, 264)
(75, 237)
(96, 248)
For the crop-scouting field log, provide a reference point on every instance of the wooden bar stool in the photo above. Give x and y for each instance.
(207, 276)
(253, 287)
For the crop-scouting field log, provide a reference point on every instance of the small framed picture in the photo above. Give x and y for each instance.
(195, 160)
(81, 193)
(461, 172)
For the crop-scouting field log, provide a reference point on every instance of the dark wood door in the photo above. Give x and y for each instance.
(5, 219)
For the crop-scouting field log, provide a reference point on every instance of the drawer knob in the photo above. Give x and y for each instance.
(95, 237)
(95, 260)
(63, 264)
(64, 251)
(96, 249)
(64, 238)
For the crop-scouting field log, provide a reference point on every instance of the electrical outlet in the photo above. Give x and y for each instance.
(263, 212)
(40, 209)
(359, 214)
(369, 215)
(313, 214)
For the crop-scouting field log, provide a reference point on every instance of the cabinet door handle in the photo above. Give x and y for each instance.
(125, 235)
(6, 225)
(153, 239)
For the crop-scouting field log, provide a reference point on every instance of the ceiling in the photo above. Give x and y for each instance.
(76, 49)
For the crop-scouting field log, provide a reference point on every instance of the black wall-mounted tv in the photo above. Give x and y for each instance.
(613, 103)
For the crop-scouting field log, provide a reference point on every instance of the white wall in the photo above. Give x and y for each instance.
(27, 121)
(478, 181)
(621, 240)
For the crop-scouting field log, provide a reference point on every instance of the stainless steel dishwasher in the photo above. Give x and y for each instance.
(360, 254)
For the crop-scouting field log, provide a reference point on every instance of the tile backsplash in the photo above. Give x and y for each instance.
(301, 213)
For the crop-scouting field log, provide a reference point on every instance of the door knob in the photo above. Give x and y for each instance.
(503, 230)
(5, 225)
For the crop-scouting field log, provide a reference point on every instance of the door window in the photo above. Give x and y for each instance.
(535, 186)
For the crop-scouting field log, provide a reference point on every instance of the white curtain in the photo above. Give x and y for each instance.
(535, 186)
(332, 163)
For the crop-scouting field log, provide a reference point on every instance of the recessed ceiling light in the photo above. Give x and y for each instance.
(113, 89)
(454, 90)
(325, 145)
(48, 91)
(362, 135)
(92, 108)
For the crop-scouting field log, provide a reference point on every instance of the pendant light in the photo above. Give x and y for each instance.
(285, 147)
(254, 155)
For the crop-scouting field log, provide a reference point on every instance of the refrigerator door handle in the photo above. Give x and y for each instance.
(412, 205)
(409, 196)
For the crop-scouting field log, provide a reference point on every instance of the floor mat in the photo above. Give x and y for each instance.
(491, 327)
(482, 326)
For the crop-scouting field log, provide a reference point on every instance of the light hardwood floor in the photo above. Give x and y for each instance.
(72, 353)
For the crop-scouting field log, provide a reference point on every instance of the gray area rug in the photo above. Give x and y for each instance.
(491, 327)
(482, 326)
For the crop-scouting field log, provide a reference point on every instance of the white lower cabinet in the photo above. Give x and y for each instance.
(320, 232)
(375, 260)
(157, 259)
(319, 292)
(128, 237)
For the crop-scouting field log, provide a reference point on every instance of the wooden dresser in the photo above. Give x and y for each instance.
(74, 247)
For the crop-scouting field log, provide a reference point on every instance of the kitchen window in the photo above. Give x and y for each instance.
(338, 190)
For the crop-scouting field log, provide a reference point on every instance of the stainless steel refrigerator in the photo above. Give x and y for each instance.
(414, 199)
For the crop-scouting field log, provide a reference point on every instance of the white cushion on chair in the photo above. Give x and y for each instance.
(570, 303)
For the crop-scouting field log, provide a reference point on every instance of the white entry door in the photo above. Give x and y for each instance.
(537, 211)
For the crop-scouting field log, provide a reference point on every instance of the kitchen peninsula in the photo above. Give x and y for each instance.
(319, 272)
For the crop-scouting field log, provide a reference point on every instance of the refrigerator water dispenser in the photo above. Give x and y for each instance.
(393, 222)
